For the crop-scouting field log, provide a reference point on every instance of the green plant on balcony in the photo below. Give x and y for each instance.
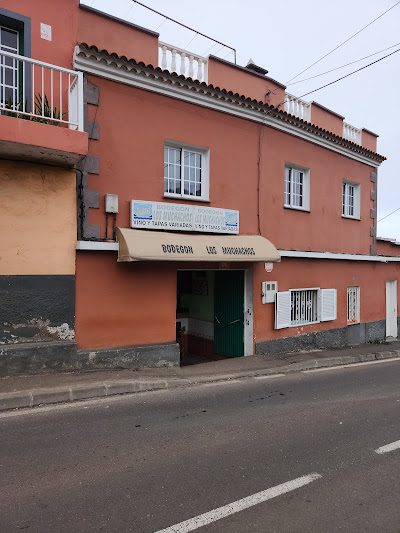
(43, 112)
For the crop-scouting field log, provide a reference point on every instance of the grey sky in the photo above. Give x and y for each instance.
(285, 37)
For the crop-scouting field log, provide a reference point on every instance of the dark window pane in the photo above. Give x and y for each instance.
(9, 38)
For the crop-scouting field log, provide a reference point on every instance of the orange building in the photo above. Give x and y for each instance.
(218, 216)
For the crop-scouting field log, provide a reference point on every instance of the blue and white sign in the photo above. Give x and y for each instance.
(183, 217)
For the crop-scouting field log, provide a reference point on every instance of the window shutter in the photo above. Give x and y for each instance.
(282, 310)
(327, 304)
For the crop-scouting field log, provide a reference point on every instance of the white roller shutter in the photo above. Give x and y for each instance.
(327, 304)
(282, 310)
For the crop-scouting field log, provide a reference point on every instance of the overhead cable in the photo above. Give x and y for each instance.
(350, 74)
(187, 27)
(345, 65)
(344, 42)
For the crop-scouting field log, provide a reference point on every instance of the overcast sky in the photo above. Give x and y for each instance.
(285, 37)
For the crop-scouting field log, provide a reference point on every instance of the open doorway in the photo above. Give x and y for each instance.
(210, 314)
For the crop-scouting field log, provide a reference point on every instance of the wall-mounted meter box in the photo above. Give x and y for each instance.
(268, 291)
(111, 201)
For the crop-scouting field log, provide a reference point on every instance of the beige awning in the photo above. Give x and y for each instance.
(148, 245)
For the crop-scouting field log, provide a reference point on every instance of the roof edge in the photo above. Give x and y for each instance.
(117, 19)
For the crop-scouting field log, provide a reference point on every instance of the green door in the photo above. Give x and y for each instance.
(229, 313)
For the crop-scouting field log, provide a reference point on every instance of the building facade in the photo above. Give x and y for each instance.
(217, 215)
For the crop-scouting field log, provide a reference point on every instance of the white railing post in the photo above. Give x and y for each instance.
(168, 60)
(297, 107)
(79, 103)
(351, 133)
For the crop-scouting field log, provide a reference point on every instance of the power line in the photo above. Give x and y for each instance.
(350, 73)
(390, 214)
(187, 27)
(343, 42)
(345, 65)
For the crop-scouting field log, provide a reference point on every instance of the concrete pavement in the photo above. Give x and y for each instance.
(32, 390)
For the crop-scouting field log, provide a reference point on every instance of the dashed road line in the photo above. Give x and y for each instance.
(271, 376)
(388, 447)
(240, 505)
(350, 365)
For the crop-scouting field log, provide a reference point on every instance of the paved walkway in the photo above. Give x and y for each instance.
(29, 391)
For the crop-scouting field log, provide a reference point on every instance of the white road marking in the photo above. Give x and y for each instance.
(388, 447)
(240, 505)
(350, 365)
(270, 377)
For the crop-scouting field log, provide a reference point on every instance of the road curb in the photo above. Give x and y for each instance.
(68, 394)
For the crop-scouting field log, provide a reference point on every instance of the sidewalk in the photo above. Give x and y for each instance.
(30, 391)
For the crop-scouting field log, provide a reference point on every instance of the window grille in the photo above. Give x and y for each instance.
(353, 304)
(303, 307)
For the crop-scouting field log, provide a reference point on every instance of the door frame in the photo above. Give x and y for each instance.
(248, 322)
(391, 308)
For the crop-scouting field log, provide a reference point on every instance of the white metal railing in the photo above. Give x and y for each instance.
(182, 62)
(40, 92)
(297, 107)
(351, 133)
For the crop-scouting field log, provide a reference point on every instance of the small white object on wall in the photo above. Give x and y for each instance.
(269, 289)
(45, 31)
(111, 201)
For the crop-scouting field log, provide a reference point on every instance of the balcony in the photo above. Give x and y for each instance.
(182, 62)
(41, 111)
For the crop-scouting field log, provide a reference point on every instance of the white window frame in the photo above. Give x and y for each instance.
(325, 302)
(8, 65)
(290, 199)
(353, 305)
(205, 172)
(350, 210)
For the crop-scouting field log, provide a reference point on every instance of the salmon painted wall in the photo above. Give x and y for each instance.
(37, 219)
(387, 248)
(326, 119)
(117, 37)
(131, 165)
(62, 16)
(369, 139)
(227, 76)
(303, 273)
(323, 228)
(132, 154)
(123, 304)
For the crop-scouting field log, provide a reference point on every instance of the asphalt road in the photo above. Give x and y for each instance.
(210, 455)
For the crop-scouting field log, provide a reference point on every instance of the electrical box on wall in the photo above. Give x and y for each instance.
(268, 291)
(111, 201)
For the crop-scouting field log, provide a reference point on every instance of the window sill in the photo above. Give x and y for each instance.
(303, 209)
(351, 218)
(186, 198)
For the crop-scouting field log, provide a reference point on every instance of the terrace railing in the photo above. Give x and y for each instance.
(351, 133)
(183, 62)
(40, 92)
(297, 107)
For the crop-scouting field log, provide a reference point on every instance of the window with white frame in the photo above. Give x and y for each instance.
(353, 304)
(351, 200)
(185, 172)
(297, 188)
(299, 307)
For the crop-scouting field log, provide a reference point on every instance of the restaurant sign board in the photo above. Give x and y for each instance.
(183, 217)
